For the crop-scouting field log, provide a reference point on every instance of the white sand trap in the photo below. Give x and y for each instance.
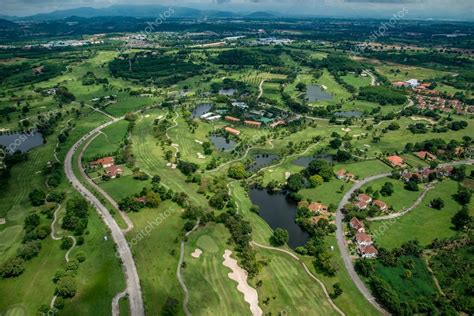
(173, 166)
(239, 275)
(198, 141)
(347, 130)
(287, 175)
(324, 87)
(148, 115)
(197, 253)
(159, 117)
(3, 221)
(201, 156)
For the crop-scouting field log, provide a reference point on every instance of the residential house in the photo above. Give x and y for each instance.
(380, 205)
(316, 207)
(114, 171)
(364, 198)
(424, 155)
(105, 162)
(253, 123)
(341, 174)
(362, 239)
(357, 225)
(396, 161)
(277, 123)
(213, 118)
(361, 205)
(368, 252)
(232, 131)
(232, 119)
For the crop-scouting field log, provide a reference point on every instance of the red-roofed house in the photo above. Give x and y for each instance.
(396, 161)
(361, 205)
(380, 205)
(114, 171)
(401, 84)
(253, 124)
(341, 174)
(232, 131)
(357, 225)
(362, 239)
(424, 155)
(368, 252)
(141, 199)
(103, 162)
(318, 207)
(364, 198)
(232, 119)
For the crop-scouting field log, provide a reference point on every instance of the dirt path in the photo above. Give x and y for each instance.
(412, 207)
(260, 87)
(54, 237)
(178, 272)
(253, 243)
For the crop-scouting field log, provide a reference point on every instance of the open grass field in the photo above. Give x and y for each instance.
(408, 72)
(423, 223)
(124, 186)
(414, 161)
(108, 142)
(364, 169)
(357, 81)
(206, 276)
(401, 199)
(155, 244)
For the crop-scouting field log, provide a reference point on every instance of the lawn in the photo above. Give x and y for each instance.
(122, 187)
(401, 199)
(108, 142)
(206, 276)
(357, 81)
(364, 169)
(155, 244)
(422, 223)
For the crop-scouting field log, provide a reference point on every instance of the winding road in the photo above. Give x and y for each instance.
(133, 288)
(341, 241)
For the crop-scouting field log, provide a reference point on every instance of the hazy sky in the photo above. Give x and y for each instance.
(437, 9)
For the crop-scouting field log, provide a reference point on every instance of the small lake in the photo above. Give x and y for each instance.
(305, 160)
(21, 142)
(316, 93)
(348, 114)
(263, 160)
(222, 143)
(201, 109)
(227, 92)
(277, 211)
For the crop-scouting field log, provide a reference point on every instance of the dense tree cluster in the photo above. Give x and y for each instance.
(382, 95)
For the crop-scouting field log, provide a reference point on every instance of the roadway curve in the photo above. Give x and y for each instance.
(130, 270)
(341, 242)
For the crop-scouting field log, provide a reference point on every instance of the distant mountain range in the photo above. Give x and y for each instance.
(139, 11)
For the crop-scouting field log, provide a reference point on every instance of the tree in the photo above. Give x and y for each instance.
(37, 197)
(461, 219)
(437, 203)
(337, 290)
(463, 196)
(12, 267)
(335, 143)
(66, 243)
(343, 156)
(316, 180)
(296, 182)
(170, 308)
(301, 86)
(237, 171)
(321, 167)
(66, 287)
(31, 222)
(279, 237)
(387, 189)
(412, 186)
(364, 267)
(29, 250)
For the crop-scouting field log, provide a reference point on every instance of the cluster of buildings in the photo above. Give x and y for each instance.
(363, 241)
(319, 210)
(66, 43)
(271, 41)
(424, 174)
(364, 200)
(108, 164)
(249, 123)
(342, 174)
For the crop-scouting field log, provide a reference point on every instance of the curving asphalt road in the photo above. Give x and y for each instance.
(341, 242)
(130, 270)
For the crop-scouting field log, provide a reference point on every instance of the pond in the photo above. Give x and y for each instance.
(316, 93)
(20, 141)
(201, 109)
(262, 160)
(227, 92)
(222, 143)
(305, 160)
(348, 114)
(277, 211)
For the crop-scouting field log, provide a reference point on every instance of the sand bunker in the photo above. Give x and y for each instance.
(198, 141)
(201, 156)
(197, 253)
(239, 275)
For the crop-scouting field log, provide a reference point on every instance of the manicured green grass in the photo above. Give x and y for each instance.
(155, 244)
(327, 193)
(206, 276)
(364, 169)
(422, 223)
(122, 187)
(108, 142)
(420, 284)
(401, 199)
(414, 161)
(408, 72)
(357, 81)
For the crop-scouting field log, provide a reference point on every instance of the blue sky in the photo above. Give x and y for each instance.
(436, 9)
